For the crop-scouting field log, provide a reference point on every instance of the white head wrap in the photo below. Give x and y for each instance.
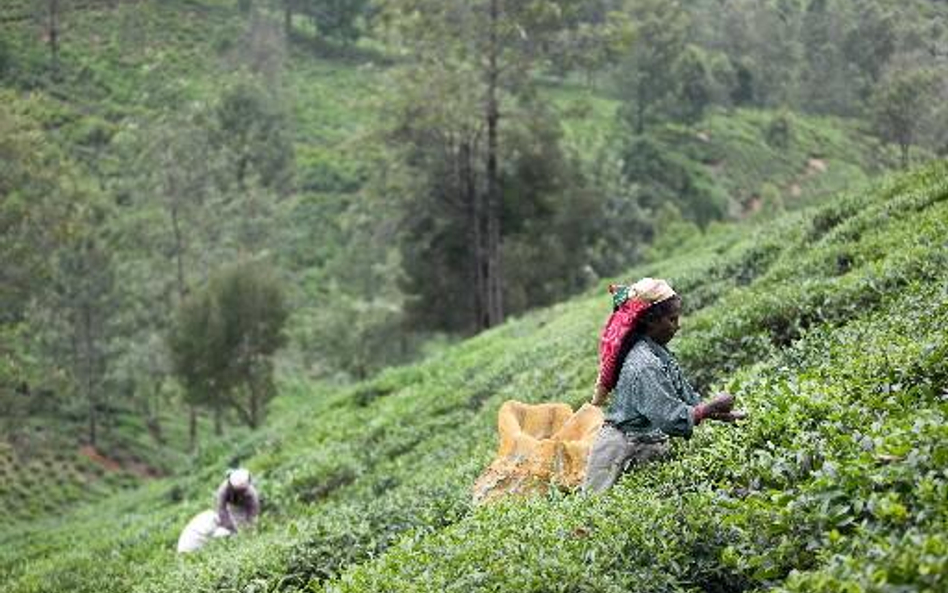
(239, 478)
(651, 290)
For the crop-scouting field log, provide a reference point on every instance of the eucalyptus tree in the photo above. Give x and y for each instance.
(30, 225)
(469, 74)
(31, 220)
(648, 72)
(41, 216)
(169, 238)
(83, 302)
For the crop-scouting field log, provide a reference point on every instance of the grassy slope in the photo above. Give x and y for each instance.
(828, 324)
(127, 64)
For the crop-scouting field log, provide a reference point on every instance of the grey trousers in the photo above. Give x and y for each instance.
(613, 453)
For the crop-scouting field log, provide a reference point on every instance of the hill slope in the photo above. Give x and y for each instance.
(125, 65)
(829, 326)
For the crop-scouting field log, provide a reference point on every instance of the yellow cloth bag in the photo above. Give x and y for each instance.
(540, 445)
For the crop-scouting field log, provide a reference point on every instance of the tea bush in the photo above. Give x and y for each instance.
(836, 482)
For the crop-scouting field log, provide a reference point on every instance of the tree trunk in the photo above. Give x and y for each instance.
(640, 109)
(473, 199)
(254, 403)
(153, 413)
(288, 16)
(52, 32)
(178, 251)
(495, 310)
(182, 293)
(90, 391)
(192, 427)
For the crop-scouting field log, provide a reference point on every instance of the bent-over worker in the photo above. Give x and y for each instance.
(651, 400)
(237, 500)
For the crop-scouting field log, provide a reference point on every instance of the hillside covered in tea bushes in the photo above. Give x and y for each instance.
(829, 326)
(123, 125)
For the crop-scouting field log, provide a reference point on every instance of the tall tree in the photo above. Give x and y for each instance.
(694, 86)
(252, 130)
(198, 355)
(761, 41)
(901, 105)
(87, 298)
(43, 216)
(869, 42)
(253, 311)
(73, 319)
(648, 72)
(33, 222)
(224, 338)
(471, 63)
(173, 241)
(827, 86)
(53, 15)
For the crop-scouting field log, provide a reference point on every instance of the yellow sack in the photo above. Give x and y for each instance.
(540, 445)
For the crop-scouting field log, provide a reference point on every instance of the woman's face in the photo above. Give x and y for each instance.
(663, 329)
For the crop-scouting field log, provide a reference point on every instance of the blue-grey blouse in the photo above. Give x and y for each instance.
(652, 399)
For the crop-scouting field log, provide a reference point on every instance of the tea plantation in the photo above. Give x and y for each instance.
(126, 67)
(828, 325)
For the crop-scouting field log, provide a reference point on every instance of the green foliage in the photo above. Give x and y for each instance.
(33, 218)
(663, 175)
(900, 106)
(695, 84)
(338, 18)
(648, 72)
(253, 313)
(827, 324)
(780, 130)
(771, 202)
(254, 131)
(224, 340)
(474, 151)
(6, 58)
(198, 355)
(547, 220)
(672, 233)
(128, 117)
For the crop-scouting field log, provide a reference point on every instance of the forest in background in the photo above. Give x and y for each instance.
(376, 179)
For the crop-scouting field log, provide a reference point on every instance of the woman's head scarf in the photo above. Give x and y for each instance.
(239, 478)
(628, 305)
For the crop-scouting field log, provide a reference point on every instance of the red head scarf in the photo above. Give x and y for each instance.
(628, 304)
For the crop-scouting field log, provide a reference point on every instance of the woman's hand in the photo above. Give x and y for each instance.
(721, 403)
(720, 407)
